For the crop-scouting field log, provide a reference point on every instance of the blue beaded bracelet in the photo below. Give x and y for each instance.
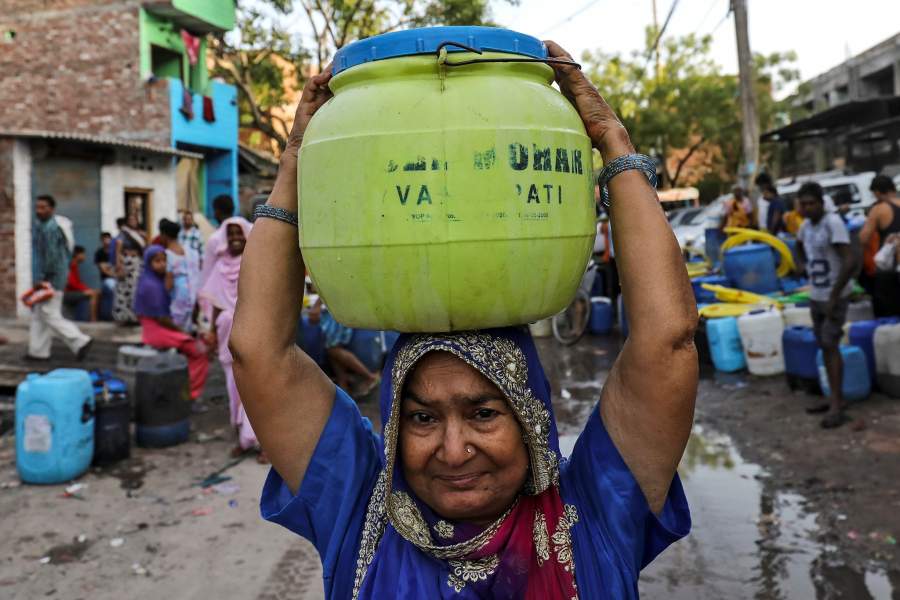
(627, 162)
(273, 212)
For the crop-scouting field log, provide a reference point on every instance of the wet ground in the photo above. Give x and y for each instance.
(781, 509)
(818, 521)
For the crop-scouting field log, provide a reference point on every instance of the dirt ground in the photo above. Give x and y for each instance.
(146, 529)
(850, 476)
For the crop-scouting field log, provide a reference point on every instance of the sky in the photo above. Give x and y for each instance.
(823, 33)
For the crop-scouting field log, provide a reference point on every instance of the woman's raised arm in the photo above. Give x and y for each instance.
(287, 397)
(647, 403)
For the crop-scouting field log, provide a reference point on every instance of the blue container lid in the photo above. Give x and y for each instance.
(426, 41)
(115, 386)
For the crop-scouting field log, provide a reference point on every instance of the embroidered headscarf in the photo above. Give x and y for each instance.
(527, 551)
(151, 299)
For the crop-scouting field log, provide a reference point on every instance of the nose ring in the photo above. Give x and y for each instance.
(469, 450)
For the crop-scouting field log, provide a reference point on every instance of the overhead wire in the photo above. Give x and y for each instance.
(570, 17)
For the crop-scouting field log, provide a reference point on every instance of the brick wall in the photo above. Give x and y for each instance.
(7, 231)
(74, 66)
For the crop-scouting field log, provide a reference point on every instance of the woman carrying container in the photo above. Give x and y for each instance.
(466, 495)
(152, 306)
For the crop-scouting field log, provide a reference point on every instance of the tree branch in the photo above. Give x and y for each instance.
(684, 160)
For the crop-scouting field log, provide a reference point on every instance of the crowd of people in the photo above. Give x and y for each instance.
(831, 257)
(181, 291)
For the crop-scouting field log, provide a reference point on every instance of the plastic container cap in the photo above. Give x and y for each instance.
(426, 41)
(115, 386)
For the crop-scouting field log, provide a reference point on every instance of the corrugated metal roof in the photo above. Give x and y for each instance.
(103, 140)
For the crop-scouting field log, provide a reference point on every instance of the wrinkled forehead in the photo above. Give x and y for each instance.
(440, 376)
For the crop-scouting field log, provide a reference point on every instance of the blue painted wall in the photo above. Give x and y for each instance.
(218, 140)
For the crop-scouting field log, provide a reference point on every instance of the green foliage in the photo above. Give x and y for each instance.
(686, 105)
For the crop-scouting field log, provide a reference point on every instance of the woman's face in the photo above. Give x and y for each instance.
(236, 240)
(447, 409)
(158, 263)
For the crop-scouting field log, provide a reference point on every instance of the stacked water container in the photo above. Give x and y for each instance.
(886, 342)
(800, 348)
(601, 315)
(856, 384)
(761, 333)
(54, 426)
(725, 345)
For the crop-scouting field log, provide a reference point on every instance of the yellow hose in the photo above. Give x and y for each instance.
(732, 295)
(739, 235)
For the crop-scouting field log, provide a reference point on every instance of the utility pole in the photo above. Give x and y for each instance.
(656, 33)
(750, 130)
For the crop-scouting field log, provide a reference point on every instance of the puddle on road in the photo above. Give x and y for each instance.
(748, 540)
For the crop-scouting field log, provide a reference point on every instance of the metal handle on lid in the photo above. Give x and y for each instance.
(442, 57)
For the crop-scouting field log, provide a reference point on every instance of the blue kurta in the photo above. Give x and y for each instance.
(615, 537)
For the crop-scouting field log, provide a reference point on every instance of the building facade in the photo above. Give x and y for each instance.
(108, 106)
(853, 117)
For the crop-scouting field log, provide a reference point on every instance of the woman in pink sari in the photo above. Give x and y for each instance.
(220, 292)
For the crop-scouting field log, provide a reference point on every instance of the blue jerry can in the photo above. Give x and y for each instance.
(856, 384)
(54, 426)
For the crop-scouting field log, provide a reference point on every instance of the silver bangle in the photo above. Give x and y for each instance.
(273, 212)
(627, 162)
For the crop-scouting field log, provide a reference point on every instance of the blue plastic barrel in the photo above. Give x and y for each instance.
(601, 315)
(54, 426)
(725, 345)
(162, 436)
(311, 340)
(856, 384)
(703, 295)
(751, 267)
(861, 335)
(800, 350)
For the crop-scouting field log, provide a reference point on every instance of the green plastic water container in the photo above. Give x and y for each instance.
(440, 198)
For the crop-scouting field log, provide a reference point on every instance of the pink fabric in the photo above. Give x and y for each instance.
(161, 338)
(220, 290)
(550, 579)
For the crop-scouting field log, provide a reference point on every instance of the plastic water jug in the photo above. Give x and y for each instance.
(761, 334)
(861, 310)
(725, 345)
(127, 360)
(438, 197)
(800, 348)
(751, 267)
(54, 426)
(703, 295)
(861, 335)
(163, 401)
(886, 342)
(112, 436)
(542, 328)
(856, 382)
(796, 316)
(601, 315)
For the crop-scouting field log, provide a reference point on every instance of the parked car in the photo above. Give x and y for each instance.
(691, 232)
